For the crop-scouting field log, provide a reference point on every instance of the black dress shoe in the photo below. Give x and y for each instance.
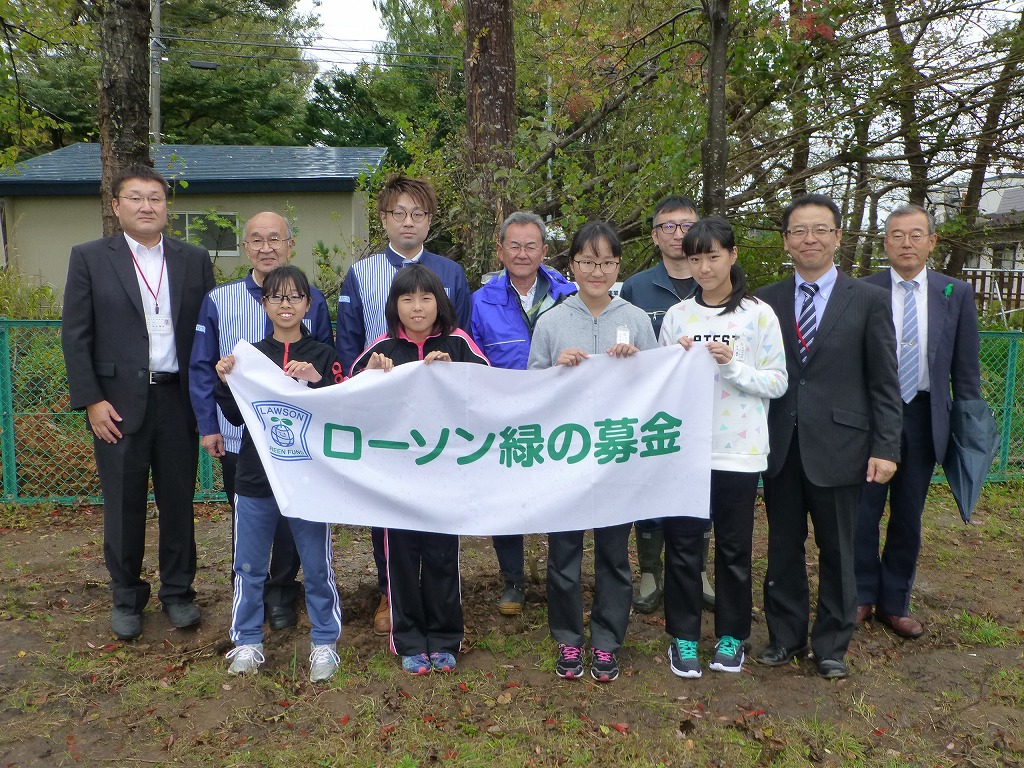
(778, 655)
(832, 669)
(126, 625)
(282, 617)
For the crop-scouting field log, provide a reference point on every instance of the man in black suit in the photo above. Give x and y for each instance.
(837, 425)
(130, 308)
(937, 327)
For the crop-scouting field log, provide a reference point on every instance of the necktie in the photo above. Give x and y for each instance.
(807, 323)
(910, 351)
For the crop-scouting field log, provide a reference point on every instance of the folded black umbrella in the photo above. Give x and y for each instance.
(973, 444)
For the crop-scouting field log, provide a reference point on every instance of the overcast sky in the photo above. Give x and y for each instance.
(350, 29)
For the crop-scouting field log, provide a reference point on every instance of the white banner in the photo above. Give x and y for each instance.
(466, 449)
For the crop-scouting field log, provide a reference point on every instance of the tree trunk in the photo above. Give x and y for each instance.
(905, 99)
(861, 187)
(986, 141)
(490, 123)
(123, 94)
(715, 146)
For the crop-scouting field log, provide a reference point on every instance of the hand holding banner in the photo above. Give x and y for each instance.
(470, 450)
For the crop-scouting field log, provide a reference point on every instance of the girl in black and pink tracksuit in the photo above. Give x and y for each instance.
(423, 568)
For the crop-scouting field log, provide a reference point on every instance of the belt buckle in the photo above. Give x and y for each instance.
(154, 377)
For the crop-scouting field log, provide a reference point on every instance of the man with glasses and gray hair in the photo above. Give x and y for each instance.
(406, 208)
(505, 311)
(937, 348)
(229, 313)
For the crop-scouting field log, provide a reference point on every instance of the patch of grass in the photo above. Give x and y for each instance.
(500, 644)
(1008, 686)
(981, 630)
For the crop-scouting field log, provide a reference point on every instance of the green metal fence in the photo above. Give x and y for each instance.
(46, 449)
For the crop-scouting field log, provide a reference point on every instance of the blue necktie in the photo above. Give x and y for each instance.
(807, 323)
(910, 350)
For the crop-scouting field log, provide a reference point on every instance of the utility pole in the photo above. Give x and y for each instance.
(156, 49)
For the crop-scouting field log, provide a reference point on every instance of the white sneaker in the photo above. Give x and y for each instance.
(246, 659)
(323, 662)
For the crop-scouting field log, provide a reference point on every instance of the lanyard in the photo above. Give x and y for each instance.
(160, 282)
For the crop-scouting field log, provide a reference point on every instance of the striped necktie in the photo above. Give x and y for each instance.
(910, 351)
(807, 323)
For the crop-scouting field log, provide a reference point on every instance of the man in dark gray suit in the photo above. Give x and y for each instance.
(837, 425)
(937, 326)
(130, 308)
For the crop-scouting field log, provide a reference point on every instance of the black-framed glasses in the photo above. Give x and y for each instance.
(899, 236)
(280, 298)
(819, 231)
(586, 266)
(399, 214)
(670, 226)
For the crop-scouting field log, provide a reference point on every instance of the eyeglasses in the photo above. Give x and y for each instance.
(670, 226)
(280, 298)
(154, 200)
(530, 249)
(819, 231)
(586, 266)
(399, 214)
(915, 237)
(257, 243)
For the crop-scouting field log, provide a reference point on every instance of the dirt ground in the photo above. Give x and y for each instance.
(74, 695)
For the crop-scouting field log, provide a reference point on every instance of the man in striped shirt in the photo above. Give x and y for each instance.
(406, 207)
(231, 312)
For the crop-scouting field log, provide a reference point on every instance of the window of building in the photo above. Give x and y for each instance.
(1007, 256)
(215, 231)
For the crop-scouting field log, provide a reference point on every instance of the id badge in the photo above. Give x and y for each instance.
(159, 325)
(622, 335)
(739, 350)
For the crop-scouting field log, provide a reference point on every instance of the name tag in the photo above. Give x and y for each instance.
(159, 325)
(739, 350)
(622, 335)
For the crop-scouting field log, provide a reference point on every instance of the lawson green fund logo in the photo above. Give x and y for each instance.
(285, 428)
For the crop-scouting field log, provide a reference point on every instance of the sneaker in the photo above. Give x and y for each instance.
(246, 659)
(728, 655)
(416, 665)
(570, 661)
(682, 658)
(604, 667)
(511, 601)
(441, 661)
(323, 662)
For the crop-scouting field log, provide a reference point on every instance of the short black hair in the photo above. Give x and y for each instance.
(137, 171)
(412, 279)
(673, 203)
(813, 199)
(592, 232)
(284, 276)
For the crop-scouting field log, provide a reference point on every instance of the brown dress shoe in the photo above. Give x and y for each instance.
(382, 618)
(864, 613)
(904, 626)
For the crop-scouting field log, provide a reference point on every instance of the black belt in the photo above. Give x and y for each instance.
(160, 377)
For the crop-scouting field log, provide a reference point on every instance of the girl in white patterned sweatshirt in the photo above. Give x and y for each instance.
(742, 334)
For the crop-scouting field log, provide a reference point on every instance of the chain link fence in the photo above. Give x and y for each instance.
(47, 453)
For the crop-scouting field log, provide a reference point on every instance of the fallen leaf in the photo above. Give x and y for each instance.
(504, 698)
(621, 727)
